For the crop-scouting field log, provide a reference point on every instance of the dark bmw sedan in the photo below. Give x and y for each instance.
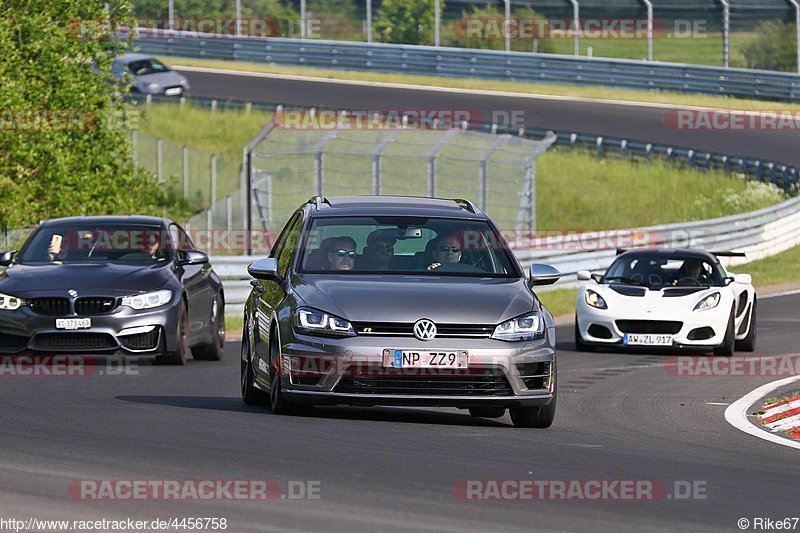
(128, 285)
(398, 301)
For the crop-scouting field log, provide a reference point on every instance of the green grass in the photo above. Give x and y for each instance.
(233, 325)
(608, 93)
(775, 270)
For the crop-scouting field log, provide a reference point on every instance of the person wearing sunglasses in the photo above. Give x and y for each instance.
(342, 255)
(379, 251)
(445, 250)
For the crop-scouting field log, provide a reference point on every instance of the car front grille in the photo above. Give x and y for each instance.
(95, 306)
(405, 329)
(73, 341)
(425, 382)
(649, 326)
(50, 306)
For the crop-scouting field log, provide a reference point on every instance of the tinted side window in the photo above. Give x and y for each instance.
(286, 246)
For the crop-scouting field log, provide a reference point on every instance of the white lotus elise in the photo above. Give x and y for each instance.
(667, 298)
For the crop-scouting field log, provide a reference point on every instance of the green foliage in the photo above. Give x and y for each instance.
(64, 146)
(490, 30)
(406, 21)
(334, 19)
(774, 47)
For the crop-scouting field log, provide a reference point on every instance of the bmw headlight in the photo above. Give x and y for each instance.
(153, 86)
(594, 299)
(148, 300)
(709, 302)
(528, 326)
(318, 322)
(10, 303)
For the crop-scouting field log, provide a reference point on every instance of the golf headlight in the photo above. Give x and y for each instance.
(319, 322)
(594, 299)
(10, 303)
(153, 86)
(148, 300)
(528, 326)
(709, 302)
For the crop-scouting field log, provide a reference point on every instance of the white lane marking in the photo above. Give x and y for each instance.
(592, 371)
(717, 403)
(453, 90)
(736, 413)
(777, 294)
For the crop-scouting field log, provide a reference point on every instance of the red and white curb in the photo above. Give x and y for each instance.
(783, 416)
(736, 413)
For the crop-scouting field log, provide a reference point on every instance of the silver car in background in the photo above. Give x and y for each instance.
(398, 301)
(145, 74)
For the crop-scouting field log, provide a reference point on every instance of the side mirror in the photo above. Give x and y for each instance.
(266, 268)
(584, 275)
(543, 275)
(744, 279)
(6, 258)
(192, 257)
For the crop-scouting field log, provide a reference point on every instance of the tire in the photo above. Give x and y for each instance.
(748, 344)
(251, 395)
(277, 400)
(537, 417)
(487, 412)
(581, 346)
(178, 357)
(728, 345)
(214, 351)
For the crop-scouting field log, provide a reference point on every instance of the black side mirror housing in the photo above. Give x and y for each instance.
(6, 258)
(191, 257)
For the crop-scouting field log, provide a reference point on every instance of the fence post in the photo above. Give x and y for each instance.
(432, 155)
(726, 31)
(213, 179)
(185, 172)
(368, 29)
(228, 214)
(160, 161)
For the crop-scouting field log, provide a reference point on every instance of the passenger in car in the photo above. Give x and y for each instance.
(445, 249)
(379, 251)
(342, 255)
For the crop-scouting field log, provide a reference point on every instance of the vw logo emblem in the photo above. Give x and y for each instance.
(73, 293)
(424, 329)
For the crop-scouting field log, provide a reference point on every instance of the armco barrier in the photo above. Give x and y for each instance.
(758, 234)
(484, 64)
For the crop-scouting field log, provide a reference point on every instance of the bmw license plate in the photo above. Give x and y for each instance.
(73, 323)
(639, 339)
(425, 359)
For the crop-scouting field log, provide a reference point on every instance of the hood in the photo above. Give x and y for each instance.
(454, 300)
(168, 78)
(29, 280)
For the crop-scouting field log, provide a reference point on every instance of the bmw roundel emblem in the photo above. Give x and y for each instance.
(424, 329)
(73, 293)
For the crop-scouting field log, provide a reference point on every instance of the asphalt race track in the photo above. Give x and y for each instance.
(620, 417)
(633, 122)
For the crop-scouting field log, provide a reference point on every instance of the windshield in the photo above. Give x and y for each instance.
(402, 245)
(88, 243)
(658, 271)
(147, 66)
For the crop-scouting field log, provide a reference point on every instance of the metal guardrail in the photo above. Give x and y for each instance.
(484, 64)
(758, 233)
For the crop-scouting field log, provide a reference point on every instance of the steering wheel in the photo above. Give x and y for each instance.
(688, 281)
(458, 267)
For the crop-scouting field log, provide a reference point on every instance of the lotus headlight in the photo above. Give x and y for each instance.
(709, 302)
(10, 303)
(318, 322)
(527, 326)
(594, 299)
(148, 300)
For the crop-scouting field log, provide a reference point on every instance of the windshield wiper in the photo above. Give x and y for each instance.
(628, 281)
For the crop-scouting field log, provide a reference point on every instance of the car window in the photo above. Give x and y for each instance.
(397, 245)
(286, 244)
(147, 66)
(182, 241)
(657, 271)
(91, 243)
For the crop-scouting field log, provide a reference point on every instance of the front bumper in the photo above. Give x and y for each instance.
(124, 331)
(697, 329)
(354, 371)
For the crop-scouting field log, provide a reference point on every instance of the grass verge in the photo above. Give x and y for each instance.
(607, 93)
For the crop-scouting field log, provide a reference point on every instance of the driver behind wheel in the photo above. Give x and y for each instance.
(445, 249)
(691, 273)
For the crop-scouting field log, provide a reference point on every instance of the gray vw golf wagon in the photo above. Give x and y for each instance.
(379, 300)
